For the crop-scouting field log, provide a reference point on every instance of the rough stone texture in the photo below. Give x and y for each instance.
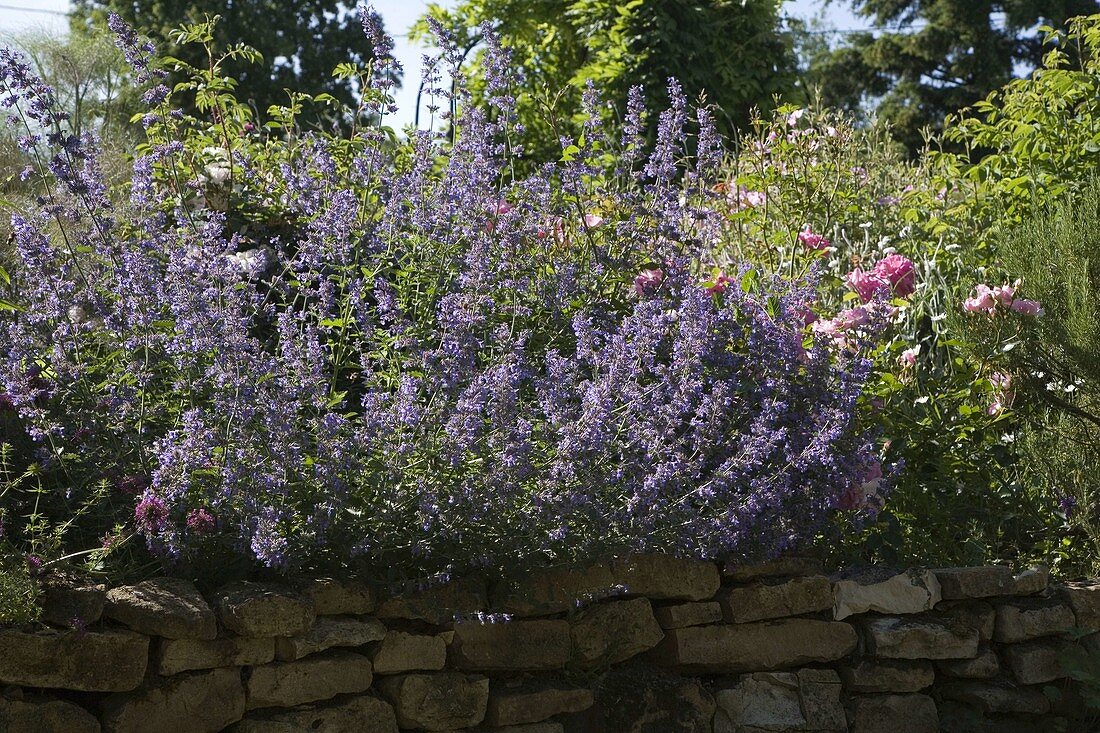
(511, 646)
(767, 600)
(996, 697)
(320, 677)
(258, 609)
(169, 607)
(983, 666)
(893, 714)
(688, 614)
(65, 597)
(784, 567)
(1030, 619)
(756, 647)
(781, 701)
(189, 703)
(328, 632)
(885, 675)
(977, 615)
(182, 655)
(821, 693)
(553, 590)
(337, 598)
(920, 638)
(660, 577)
(438, 604)
(543, 727)
(438, 701)
(362, 714)
(101, 661)
(45, 716)
(963, 583)
(910, 592)
(608, 633)
(1031, 581)
(640, 699)
(1034, 662)
(514, 702)
(1084, 600)
(401, 652)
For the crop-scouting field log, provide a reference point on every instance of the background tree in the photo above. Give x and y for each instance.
(301, 41)
(937, 57)
(731, 50)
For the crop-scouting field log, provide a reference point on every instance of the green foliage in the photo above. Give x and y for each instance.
(18, 590)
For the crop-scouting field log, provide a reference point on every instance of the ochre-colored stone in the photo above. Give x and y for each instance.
(437, 604)
(983, 666)
(554, 590)
(196, 702)
(1035, 662)
(328, 632)
(94, 661)
(914, 591)
(168, 607)
(767, 600)
(182, 655)
(978, 615)
(914, 637)
(608, 633)
(784, 567)
(337, 598)
(642, 699)
(511, 646)
(1031, 618)
(1084, 600)
(437, 701)
(887, 675)
(402, 652)
(1034, 579)
(996, 697)
(893, 714)
(982, 582)
(808, 700)
(761, 646)
(661, 577)
(688, 614)
(42, 715)
(361, 714)
(69, 600)
(515, 703)
(259, 609)
(318, 677)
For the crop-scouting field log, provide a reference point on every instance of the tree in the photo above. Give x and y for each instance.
(731, 50)
(301, 41)
(937, 57)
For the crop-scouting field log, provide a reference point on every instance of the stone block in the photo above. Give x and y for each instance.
(608, 633)
(196, 702)
(887, 675)
(437, 604)
(999, 697)
(914, 591)
(95, 661)
(1084, 600)
(338, 598)
(1034, 662)
(688, 614)
(914, 637)
(515, 702)
(783, 567)
(764, 646)
(318, 677)
(641, 699)
(1031, 618)
(965, 583)
(776, 599)
(437, 701)
(43, 715)
(66, 599)
(893, 714)
(661, 577)
(361, 714)
(511, 646)
(808, 700)
(183, 655)
(984, 666)
(555, 590)
(171, 608)
(978, 615)
(328, 632)
(1034, 579)
(401, 652)
(259, 609)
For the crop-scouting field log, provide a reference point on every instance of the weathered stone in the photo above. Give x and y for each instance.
(758, 646)
(513, 702)
(688, 614)
(511, 646)
(659, 577)
(553, 590)
(182, 655)
(920, 638)
(763, 701)
(978, 615)
(983, 666)
(198, 702)
(820, 690)
(996, 697)
(1031, 581)
(319, 677)
(401, 652)
(984, 582)
(437, 701)
(545, 726)
(1084, 599)
(45, 716)
(887, 675)
(328, 632)
(1030, 619)
(99, 661)
(1034, 662)
(608, 633)
(640, 699)
(362, 714)
(784, 567)
(67, 600)
(168, 607)
(438, 604)
(910, 592)
(337, 598)
(893, 714)
(257, 609)
(766, 600)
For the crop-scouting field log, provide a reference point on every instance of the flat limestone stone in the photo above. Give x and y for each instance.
(984, 666)
(1084, 600)
(337, 598)
(362, 714)
(182, 655)
(688, 614)
(45, 716)
(328, 632)
(893, 714)
(784, 567)
(94, 661)
(907, 637)
(511, 646)
(515, 703)
(887, 675)
(608, 633)
(168, 607)
(556, 589)
(981, 582)
(1035, 662)
(910, 592)
(764, 646)
(318, 677)
(1032, 618)
(402, 652)
(666, 577)
(996, 697)
(439, 604)
(437, 701)
(260, 609)
(188, 703)
(767, 600)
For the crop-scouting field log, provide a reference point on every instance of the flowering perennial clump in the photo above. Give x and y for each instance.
(320, 348)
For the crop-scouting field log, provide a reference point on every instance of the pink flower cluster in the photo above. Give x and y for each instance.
(648, 280)
(844, 323)
(812, 240)
(1003, 393)
(893, 273)
(988, 300)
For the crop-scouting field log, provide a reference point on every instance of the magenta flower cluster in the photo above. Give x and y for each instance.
(989, 300)
(893, 275)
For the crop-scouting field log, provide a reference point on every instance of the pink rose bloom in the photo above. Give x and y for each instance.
(720, 283)
(743, 198)
(852, 318)
(1004, 294)
(899, 272)
(811, 240)
(592, 220)
(647, 280)
(909, 356)
(1027, 307)
(866, 284)
(981, 302)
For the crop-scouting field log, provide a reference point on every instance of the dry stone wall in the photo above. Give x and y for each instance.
(650, 644)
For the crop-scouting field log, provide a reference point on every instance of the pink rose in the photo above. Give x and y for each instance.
(852, 318)
(909, 356)
(647, 280)
(811, 240)
(1027, 307)
(897, 270)
(592, 220)
(866, 284)
(720, 283)
(982, 301)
